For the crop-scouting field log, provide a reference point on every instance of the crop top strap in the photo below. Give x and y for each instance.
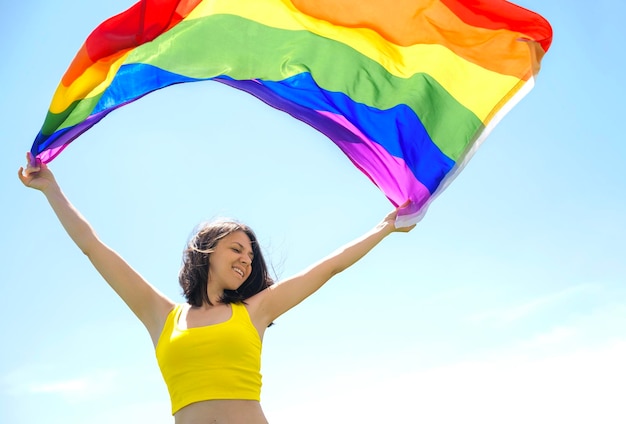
(170, 321)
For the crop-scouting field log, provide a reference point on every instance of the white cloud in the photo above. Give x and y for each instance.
(75, 389)
(584, 386)
(156, 412)
(555, 336)
(504, 316)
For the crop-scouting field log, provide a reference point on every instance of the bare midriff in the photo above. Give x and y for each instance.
(221, 412)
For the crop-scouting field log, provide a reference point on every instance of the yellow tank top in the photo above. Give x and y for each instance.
(221, 361)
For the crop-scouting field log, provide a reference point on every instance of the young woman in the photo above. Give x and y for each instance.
(208, 349)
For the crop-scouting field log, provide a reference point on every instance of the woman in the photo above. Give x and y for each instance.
(209, 349)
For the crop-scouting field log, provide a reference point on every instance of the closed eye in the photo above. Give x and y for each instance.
(238, 248)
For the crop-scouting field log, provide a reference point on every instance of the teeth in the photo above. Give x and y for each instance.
(238, 271)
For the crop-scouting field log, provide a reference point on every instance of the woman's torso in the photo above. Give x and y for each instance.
(219, 411)
(222, 412)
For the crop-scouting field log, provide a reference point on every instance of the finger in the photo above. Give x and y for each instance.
(405, 204)
(20, 174)
(28, 162)
(30, 169)
(33, 161)
(33, 164)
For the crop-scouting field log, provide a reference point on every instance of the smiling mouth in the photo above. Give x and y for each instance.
(238, 271)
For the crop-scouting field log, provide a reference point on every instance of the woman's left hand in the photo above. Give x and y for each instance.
(390, 220)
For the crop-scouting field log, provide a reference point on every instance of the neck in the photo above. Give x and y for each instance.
(214, 296)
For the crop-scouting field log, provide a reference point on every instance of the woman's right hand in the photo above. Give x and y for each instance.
(38, 177)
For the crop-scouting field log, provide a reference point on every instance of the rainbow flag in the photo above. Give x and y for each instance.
(407, 89)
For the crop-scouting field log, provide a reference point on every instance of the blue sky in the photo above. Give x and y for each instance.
(507, 304)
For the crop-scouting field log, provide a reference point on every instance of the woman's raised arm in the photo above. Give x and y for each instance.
(280, 297)
(146, 302)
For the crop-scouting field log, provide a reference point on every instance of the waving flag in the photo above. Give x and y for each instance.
(407, 89)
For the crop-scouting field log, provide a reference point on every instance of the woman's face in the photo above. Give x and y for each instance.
(230, 264)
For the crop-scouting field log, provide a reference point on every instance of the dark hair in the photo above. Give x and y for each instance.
(194, 273)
